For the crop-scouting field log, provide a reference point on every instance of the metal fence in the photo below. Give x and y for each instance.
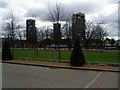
(104, 63)
(67, 61)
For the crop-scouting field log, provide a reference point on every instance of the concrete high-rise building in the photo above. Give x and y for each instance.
(56, 32)
(31, 35)
(78, 26)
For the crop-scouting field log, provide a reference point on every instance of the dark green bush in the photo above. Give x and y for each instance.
(6, 52)
(77, 56)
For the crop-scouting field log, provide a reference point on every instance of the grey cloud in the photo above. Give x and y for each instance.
(36, 12)
(4, 4)
(93, 8)
(69, 8)
(74, 7)
(112, 25)
(113, 32)
(111, 20)
(90, 8)
(80, 6)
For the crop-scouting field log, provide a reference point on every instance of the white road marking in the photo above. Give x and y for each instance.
(89, 84)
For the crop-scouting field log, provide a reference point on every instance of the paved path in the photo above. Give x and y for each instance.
(22, 76)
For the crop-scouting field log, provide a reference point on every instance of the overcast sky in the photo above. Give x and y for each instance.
(95, 10)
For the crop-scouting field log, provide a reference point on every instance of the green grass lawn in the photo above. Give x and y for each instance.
(92, 56)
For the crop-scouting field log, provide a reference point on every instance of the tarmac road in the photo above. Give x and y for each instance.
(22, 76)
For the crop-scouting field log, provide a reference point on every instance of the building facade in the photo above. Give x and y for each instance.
(78, 26)
(31, 34)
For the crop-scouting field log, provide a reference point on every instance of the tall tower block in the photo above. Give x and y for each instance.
(78, 26)
(31, 36)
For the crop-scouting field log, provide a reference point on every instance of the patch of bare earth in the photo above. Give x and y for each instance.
(92, 66)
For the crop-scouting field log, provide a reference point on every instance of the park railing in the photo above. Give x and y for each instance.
(43, 59)
(67, 61)
(104, 63)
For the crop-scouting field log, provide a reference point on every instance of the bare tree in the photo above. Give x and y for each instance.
(6, 30)
(20, 34)
(9, 27)
(88, 33)
(40, 34)
(100, 33)
(95, 31)
(56, 14)
(67, 33)
(67, 30)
